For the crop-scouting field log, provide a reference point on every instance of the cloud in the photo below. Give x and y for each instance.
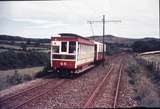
(50, 25)
(35, 21)
(42, 17)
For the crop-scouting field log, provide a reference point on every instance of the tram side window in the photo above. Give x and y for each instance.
(55, 49)
(64, 47)
(72, 47)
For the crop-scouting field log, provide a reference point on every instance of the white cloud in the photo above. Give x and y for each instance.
(35, 21)
(139, 17)
(50, 25)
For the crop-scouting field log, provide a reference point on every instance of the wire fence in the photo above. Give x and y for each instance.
(152, 61)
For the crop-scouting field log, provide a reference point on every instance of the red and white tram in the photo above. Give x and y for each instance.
(74, 53)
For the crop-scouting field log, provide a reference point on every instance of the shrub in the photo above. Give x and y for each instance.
(148, 45)
(27, 77)
(12, 59)
(133, 68)
(46, 71)
(17, 78)
(153, 74)
(132, 82)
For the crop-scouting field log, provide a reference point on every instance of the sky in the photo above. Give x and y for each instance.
(43, 19)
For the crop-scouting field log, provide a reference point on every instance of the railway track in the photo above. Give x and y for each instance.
(117, 87)
(4, 99)
(21, 98)
(122, 100)
(113, 75)
(39, 95)
(99, 88)
(93, 95)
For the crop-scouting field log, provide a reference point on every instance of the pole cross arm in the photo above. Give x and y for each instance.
(105, 21)
(113, 21)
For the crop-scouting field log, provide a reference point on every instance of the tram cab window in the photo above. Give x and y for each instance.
(55, 49)
(72, 47)
(64, 47)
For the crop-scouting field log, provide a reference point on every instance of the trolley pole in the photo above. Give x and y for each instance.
(90, 22)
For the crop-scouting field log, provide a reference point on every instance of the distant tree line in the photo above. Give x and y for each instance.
(12, 59)
(147, 45)
(28, 40)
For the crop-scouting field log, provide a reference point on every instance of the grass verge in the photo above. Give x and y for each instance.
(145, 91)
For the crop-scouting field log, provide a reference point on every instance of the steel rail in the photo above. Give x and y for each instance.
(39, 95)
(89, 101)
(117, 88)
(22, 92)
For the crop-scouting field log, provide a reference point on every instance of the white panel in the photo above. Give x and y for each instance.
(85, 54)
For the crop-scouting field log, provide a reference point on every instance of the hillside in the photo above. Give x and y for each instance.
(114, 39)
(118, 44)
(119, 40)
(107, 38)
(20, 52)
(18, 43)
(18, 38)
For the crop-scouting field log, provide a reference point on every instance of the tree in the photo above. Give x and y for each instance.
(144, 46)
(24, 46)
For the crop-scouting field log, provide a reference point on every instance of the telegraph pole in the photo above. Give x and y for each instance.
(103, 21)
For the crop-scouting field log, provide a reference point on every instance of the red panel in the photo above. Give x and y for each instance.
(63, 64)
(99, 56)
(64, 39)
(85, 64)
(85, 41)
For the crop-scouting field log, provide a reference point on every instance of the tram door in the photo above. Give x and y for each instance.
(95, 52)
